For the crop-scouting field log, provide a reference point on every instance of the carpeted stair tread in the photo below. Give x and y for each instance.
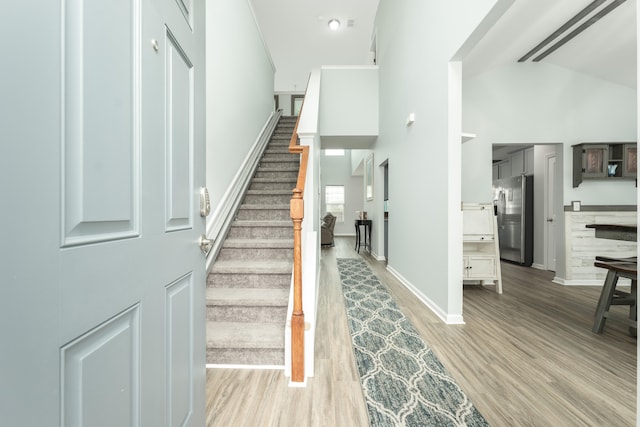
(282, 159)
(249, 283)
(258, 243)
(252, 266)
(270, 192)
(245, 335)
(261, 206)
(293, 167)
(261, 223)
(275, 180)
(248, 297)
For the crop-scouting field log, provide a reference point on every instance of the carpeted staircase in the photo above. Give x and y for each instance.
(248, 285)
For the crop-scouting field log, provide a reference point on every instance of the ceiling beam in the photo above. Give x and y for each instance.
(570, 23)
(589, 22)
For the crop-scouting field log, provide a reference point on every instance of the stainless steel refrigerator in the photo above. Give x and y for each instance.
(513, 200)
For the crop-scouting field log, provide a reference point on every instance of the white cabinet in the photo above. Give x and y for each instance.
(481, 252)
(517, 163)
(479, 267)
(504, 169)
(528, 161)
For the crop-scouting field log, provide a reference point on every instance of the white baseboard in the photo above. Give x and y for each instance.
(378, 257)
(435, 308)
(538, 266)
(265, 367)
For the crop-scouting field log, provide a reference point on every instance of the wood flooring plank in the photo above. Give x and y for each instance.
(524, 358)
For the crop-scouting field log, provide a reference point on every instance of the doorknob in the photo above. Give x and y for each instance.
(205, 244)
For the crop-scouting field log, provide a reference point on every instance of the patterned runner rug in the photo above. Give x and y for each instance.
(403, 382)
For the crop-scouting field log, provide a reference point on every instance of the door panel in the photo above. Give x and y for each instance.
(178, 135)
(186, 6)
(100, 132)
(179, 342)
(103, 304)
(103, 366)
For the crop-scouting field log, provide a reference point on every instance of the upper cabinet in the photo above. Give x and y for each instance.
(513, 163)
(528, 161)
(517, 163)
(604, 161)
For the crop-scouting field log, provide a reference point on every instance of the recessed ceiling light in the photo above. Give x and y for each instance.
(334, 24)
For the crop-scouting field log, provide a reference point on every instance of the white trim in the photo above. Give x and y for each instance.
(546, 230)
(349, 67)
(538, 266)
(264, 42)
(454, 245)
(377, 256)
(265, 367)
(302, 384)
(446, 318)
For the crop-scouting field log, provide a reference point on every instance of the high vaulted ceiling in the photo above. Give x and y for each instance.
(606, 49)
(299, 39)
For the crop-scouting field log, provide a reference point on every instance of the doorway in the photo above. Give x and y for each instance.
(541, 161)
(296, 104)
(385, 209)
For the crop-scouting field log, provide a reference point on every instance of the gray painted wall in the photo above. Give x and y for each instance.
(337, 171)
(412, 81)
(349, 101)
(239, 90)
(543, 103)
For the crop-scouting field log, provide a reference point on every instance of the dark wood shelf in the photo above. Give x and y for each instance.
(604, 161)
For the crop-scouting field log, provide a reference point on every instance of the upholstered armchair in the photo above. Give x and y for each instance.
(326, 229)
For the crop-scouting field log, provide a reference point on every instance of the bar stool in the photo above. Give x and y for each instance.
(611, 296)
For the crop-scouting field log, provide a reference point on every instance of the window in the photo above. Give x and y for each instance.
(334, 152)
(334, 200)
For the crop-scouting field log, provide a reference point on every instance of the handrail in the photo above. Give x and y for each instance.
(297, 215)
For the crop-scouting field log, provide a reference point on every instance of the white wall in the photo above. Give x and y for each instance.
(349, 101)
(239, 90)
(543, 103)
(416, 40)
(284, 101)
(357, 161)
(336, 170)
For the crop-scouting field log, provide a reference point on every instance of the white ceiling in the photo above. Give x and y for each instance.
(607, 49)
(299, 39)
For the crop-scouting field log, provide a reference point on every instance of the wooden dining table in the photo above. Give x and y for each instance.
(617, 267)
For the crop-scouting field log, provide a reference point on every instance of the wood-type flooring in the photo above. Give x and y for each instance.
(524, 358)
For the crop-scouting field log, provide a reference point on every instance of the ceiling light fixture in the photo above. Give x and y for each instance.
(334, 24)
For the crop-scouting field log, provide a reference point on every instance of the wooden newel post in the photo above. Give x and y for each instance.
(297, 317)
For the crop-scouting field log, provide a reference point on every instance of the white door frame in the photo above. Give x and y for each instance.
(550, 218)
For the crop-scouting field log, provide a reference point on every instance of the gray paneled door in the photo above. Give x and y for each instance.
(102, 307)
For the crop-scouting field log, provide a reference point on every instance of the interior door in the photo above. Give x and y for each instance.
(102, 314)
(550, 212)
